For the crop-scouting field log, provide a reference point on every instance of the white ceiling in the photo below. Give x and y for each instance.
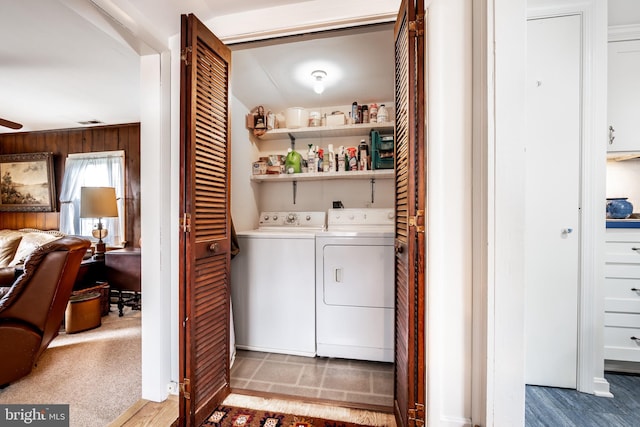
(359, 66)
(57, 69)
(59, 66)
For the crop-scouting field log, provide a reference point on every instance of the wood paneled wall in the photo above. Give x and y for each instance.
(82, 140)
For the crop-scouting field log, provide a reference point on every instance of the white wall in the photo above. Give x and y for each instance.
(623, 178)
(449, 213)
(249, 198)
(504, 163)
(244, 193)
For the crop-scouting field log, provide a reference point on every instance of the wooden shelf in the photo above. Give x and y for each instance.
(322, 176)
(327, 131)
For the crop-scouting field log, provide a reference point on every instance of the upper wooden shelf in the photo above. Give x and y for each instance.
(327, 131)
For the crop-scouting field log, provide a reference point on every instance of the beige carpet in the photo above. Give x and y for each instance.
(96, 372)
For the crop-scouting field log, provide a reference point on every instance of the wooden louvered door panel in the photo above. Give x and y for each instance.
(206, 225)
(410, 207)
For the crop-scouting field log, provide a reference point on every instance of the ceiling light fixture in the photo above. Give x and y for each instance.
(318, 84)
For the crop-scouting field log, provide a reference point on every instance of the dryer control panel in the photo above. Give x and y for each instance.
(356, 219)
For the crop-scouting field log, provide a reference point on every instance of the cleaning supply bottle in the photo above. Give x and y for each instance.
(373, 113)
(293, 162)
(353, 158)
(341, 159)
(320, 158)
(332, 158)
(383, 114)
(312, 164)
(363, 156)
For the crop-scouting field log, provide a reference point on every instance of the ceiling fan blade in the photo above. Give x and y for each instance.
(9, 124)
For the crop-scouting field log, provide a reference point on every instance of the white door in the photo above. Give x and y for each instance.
(552, 215)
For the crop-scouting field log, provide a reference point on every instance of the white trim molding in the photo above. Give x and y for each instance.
(624, 32)
(590, 366)
(301, 18)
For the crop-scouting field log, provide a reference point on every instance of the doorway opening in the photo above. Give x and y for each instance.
(359, 63)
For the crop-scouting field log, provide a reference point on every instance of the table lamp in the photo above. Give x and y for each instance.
(98, 202)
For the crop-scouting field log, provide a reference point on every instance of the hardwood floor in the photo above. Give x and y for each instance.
(146, 413)
(550, 406)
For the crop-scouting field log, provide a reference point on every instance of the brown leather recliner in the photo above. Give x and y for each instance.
(33, 306)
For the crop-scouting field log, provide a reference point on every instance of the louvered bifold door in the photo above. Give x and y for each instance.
(205, 222)
(410, 215)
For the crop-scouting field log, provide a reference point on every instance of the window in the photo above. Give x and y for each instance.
(98, 169)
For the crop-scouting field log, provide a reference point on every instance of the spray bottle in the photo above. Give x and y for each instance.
(341, 159)
(332, 158)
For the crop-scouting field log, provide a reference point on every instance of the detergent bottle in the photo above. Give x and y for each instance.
(312, 161)
(293, 162)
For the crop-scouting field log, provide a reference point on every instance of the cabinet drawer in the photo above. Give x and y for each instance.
(623, 320)
(622, 251)
(622, 305)
(619, 270)
(622, 287)
(618, 344)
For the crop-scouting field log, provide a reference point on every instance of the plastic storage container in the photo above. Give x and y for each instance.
(296, 117)
(381, 151)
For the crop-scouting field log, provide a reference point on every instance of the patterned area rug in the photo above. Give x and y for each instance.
(228, 416)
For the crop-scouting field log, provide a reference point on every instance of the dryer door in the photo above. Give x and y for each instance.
(359, 275)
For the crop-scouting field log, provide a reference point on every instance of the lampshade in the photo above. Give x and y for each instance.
(98, 202)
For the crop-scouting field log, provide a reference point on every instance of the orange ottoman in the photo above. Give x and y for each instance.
(83, 312)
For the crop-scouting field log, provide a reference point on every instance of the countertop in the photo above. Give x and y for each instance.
(623, 223)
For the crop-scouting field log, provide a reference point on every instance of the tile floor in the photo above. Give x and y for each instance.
(316, 377)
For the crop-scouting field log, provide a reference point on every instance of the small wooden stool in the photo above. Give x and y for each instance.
(83, 312)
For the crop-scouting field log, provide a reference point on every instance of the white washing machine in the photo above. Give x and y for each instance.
(273, 284)
(355, 285)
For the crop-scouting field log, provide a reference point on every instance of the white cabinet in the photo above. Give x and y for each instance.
(622, 295)
(624, 96)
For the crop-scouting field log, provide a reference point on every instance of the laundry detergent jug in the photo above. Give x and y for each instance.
(293, 162)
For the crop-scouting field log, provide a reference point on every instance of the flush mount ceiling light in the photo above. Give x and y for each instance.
(318, 83)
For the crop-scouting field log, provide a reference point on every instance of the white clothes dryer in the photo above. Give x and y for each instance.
(355, 285)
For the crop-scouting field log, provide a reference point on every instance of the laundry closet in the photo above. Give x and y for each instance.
(313, 285)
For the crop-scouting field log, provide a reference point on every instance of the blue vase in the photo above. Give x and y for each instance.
(619, 208)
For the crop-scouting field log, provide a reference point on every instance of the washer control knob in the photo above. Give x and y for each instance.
(351, 217)
(266, 217)
(275, 217)
(308, 217)
(390, 215)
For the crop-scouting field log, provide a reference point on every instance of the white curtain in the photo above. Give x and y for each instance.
(92, 170)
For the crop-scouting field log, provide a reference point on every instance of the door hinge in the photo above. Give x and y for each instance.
(416, 415)
(417, 221)
(185, 222)
(417, 25)
(185, 55)
(185, 388)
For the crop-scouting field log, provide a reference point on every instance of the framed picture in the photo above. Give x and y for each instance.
(27, 183)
